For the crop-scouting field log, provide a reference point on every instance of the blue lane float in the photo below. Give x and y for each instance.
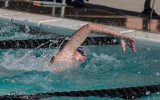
(124, 93)
(47, 43)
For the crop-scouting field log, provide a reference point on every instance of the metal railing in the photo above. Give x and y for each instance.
(152, 10)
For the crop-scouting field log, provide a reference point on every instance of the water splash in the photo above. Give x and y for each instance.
(26, 59)
(103, 61)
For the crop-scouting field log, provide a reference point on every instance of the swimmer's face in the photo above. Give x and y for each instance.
(79, 55)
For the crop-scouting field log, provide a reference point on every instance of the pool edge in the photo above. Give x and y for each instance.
(53, 23)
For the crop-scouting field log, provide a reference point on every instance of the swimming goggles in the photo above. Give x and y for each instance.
(81, 51)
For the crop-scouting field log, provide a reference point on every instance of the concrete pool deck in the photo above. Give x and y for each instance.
(51, 24)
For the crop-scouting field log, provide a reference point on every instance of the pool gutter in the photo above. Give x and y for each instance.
(61, 25)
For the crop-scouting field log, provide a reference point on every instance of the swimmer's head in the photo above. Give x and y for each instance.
(79, 54)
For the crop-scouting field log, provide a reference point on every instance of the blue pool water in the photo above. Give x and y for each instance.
(16, 32)
(106, 67)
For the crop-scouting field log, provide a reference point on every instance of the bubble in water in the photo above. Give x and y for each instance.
(94, 54)
(148, 93)
(155, 60)
(13, 81)
(27, 29)
(157, 73)
(148, 49)
(133, 97)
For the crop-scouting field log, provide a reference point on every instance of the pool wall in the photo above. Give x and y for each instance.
(66, 27)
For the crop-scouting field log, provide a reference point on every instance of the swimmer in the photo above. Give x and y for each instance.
(72, 51)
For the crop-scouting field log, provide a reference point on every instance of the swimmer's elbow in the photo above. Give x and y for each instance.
(90, 26)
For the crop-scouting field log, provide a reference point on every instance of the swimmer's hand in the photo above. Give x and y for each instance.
(127, 40)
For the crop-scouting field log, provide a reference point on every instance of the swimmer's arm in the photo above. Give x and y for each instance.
(81, 34)
(124, 39)
(75, 41)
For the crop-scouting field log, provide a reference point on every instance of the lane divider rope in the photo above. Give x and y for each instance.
(47, 43)
(124, 93)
